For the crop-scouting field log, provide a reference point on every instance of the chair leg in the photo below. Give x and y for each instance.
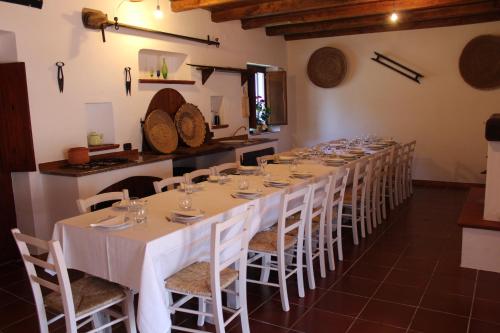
(368, 214)
(265, 272)
(282, 282)
(354, 221)
(128, 309)
(217, 312)
(309, 262)
(329, 245)
(384, 202)
(300, 270)
(242, 299)
(99, 319)
(202, 307)
(321, 245)
(362, 219)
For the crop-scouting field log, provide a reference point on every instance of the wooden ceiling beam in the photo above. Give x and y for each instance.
(362, 9)
(436, 23)
(184, 5)
(277, 7)
(382, 19)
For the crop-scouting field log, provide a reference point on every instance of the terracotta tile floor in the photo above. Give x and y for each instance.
(405, 277)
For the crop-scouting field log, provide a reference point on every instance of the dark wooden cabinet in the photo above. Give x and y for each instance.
(16, 147)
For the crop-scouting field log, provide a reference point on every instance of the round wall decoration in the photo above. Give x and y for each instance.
(190, 125)
(327, 67)
(160, 132)
(480, 62)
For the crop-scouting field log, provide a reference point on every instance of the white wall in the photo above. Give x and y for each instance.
(94, 74)
(444, 114)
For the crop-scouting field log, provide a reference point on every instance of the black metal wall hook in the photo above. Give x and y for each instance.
(128, 81)
(397, 67)
(60, 75)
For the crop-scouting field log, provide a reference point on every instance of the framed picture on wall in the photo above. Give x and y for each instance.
(30, 3)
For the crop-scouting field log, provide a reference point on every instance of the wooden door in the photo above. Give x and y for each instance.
(16, 147)
(276, 97)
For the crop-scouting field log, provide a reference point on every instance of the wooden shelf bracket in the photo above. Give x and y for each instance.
(207, 71)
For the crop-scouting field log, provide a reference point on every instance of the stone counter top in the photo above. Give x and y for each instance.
(61, 168)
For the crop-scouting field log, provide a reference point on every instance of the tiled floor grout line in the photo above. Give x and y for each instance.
(378, 287)
(473, 301)
(423, 295)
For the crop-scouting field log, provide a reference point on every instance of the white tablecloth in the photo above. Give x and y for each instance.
(143, 256)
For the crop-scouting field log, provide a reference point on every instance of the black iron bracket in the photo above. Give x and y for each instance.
(397, 67)
(95, 19)
(208, 70)
(30, 3)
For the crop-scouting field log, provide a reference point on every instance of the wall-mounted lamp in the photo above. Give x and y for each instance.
(394, 17)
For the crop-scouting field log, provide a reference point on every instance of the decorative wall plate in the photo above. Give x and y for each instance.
(190, 125)
(327, 67)
(160, 132)
(480, 62)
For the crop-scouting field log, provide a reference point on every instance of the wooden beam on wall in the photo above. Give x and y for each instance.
(445, 22)
(382, 19)
(379, 7)
(258, 9)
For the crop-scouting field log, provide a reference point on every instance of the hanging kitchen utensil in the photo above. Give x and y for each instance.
(397, 67)
(128, 82)
(190, 125)
(160, 132)
(60, 75)
(327, 67)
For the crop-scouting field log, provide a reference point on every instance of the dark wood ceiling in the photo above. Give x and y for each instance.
(302, 19)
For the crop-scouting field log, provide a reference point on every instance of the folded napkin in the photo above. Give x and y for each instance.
(111, 221)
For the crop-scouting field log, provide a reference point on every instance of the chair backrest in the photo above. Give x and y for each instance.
(377, 169)
(337, 193)
(192, 176)
(361, 177)
(84, 205)
(293, 203)
(229, 246)
(161, 184)
(63, 286)
(411, 151)
(319, 198)
(225, 167)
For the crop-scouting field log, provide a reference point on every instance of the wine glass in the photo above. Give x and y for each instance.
(185, 202)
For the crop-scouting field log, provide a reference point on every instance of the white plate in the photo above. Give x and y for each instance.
(276, 183)
(246, 194)
(302, 174)
(186, 216)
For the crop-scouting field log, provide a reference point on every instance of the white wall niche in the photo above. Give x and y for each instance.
(100, 119)
(8, 48)
(152, 60)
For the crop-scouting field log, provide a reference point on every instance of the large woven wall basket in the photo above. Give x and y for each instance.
(327, 67)
(160, 132)
(190, 125)
(480, 62)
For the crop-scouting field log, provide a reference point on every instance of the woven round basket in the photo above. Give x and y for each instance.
(160, 132)
(190, 125)
(480, 62)
(327, 67)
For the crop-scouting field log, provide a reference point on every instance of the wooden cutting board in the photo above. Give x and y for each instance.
(168, 100)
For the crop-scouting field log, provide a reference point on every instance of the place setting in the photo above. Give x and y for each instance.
(186, 214)
(134, 211)
(244, 191)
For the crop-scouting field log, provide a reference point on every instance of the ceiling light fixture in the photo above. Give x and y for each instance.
(394, 17)
(158, 13)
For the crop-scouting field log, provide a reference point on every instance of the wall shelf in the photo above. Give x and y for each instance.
(220, 126)
(161, 81)
(207, 71)
(105, 146)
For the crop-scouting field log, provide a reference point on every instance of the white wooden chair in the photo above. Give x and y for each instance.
(390, 192)
(355, 199)
(368, 208)
(397, 178)
(206, 281)
(86, 300)
(314, 229)
(191, 176)
(334, 215)
(386, 164)
(168, 182)
(221, 168)
(280, 243)
(84, 205)
(376, 190)
(403, 172)
(265, 158)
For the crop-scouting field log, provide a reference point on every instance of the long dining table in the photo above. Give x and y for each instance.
(142, 256)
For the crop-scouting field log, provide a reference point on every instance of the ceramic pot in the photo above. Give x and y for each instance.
(78, 155)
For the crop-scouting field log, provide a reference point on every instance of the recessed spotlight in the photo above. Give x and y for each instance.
(394, 17)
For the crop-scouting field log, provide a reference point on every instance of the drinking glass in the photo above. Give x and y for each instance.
(189, 188)
(185, 202)
(293, 166)
(243, 183)
(222, 179)
(141, 213)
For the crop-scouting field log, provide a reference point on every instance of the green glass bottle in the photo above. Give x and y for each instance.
(164, 69)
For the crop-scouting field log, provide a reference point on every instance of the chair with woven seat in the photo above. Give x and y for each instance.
(283, 242)
(207, 280)
(86, 300)
(226, 168)
(375, 189)
(355, 199)
(409, 166)
(168, 182)
(386, 164)
(334, 215)
(85, 205)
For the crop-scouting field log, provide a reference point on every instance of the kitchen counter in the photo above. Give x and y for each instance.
(60, 168)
